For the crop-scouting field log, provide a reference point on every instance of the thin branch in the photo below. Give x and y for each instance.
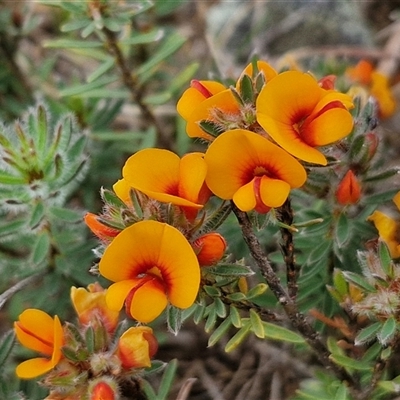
(296, 318)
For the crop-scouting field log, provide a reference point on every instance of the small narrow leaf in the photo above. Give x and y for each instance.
(387, 332)
(143, 38)
(276, 332)
(220, 307)
(6, 344)
(174, 320)
(41, 248)
(367, 334)
(70, 44)
(256, 291)
(342, 230)
(385, 258)
(358, 281)
(219, 332)
(238, 338)
(211, 319)
(211, 128)
(102, 69)
(350, 363)
(257, 324)
(37, 215)
(212, 291)
(167, 380)
(246, 89)
(230, 270)
(235, 316)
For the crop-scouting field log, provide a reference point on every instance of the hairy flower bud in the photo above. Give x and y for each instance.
(349, 189)
(104, 388)
(209, 248)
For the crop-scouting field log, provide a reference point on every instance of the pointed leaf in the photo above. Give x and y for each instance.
(41, 248)
(219, 332)
(6, 344)
(167, 380)
(235, 316)
(257, 324)
(385, 258)
(342, 230)
(350, 363)
(367, 334)
(102, 69)
(387, 332)
(276, 332)
(174, 320)
(238, 338)
(358, 281)
(256, 291)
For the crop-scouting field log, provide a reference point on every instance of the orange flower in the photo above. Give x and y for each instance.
(388, 228)
(152, 263)
(37, 331)
(104, 388)
(300, 115)
(209, 248)
(102, 231)
(211, 101)
(251, 170)
(377, 85)
(136, 347)
(349, 189)
(91, 305)
(163, 176)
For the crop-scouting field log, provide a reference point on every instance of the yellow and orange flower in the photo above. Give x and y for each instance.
(377, 85)
(205, 100)
(209, 248)
(91, 305)
(163, 176)
(252, 171)
(300, 115)
(37, 331)
(151, 264)
(388, 228)
(136, 347)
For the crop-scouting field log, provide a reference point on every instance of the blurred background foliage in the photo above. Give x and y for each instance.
(108, 75)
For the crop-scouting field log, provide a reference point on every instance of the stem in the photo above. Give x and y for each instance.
(285, 215)
(296, 318)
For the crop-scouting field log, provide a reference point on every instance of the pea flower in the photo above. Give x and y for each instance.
(209, 248)
(151, 264)
(136, 347)
(252, 171)
(91, 305)
(388, 228)
(299, 115)
(102, 231)
(349, 189)
(163, 176)
(377, 85)
(212, 101)
(37, 331)
(103, 388)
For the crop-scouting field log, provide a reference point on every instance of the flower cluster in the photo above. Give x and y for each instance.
(92, 360)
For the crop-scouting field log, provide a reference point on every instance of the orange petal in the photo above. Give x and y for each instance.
(223, 101)
(274, 192)
(148, 301)
(58, 335)
(244, 197)
(122, 189)
(118, 292)
(34, 367)
(35, 330)
(237, 156)
(192, 97)
(192, 174)
(330, 126)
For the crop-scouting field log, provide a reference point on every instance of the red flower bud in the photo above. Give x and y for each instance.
(103, 389)
(102, 231)
(209, 248)
(328, 82)
(349, 189)
(372, 141)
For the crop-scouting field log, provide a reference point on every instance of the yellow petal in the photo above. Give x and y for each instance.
(33, 368)
(244, 197)
(237, 156)
(192, 174)
(118, 292)
(58, 335)
(148, 301)
(122, 190)
(396, 200)
(274, 192)
(191, 98)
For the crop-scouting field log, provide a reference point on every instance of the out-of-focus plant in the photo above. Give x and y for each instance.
(290, 165)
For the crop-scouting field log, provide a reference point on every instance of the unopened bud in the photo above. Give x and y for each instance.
(327, 82)
(104, 388)
(101, 230)
(209, 248)
(349, 189)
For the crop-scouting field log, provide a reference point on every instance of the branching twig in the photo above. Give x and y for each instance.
(296, 318)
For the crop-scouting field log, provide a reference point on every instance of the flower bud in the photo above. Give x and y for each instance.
(103, 232)
(104, 388)
(328, 82)
(349, 189)
(209, 248)
(136, 347)
(372, 141)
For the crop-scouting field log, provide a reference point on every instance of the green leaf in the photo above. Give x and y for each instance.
(41, 248)
(69, 44)
(183, 77)
(341, 393)
(383, 175)
(174, 320)
(367, 334)
(256, 291)
(211, 318)
(380, 197)
(169, 46)
(229, 270)
(37, 215)
(219, 332)
(167, 380)
(220, 307)
(143, 38)
(350, 363)
(238, 296)
(210, 127)
(321, 251)
(12, 227)
(276, 332)
(158, 98)
(89, 339)
(246, 89)
(65, 214)
(102, 69)
(342, 230)
(212, 291)
(256, 324)
(387, 332)
(199, 313)
(385, 258)
(358, 280)
(235, 316)
(238, 338)
(82, 88)
(8, 179)
(75, 24)
(6, 344)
